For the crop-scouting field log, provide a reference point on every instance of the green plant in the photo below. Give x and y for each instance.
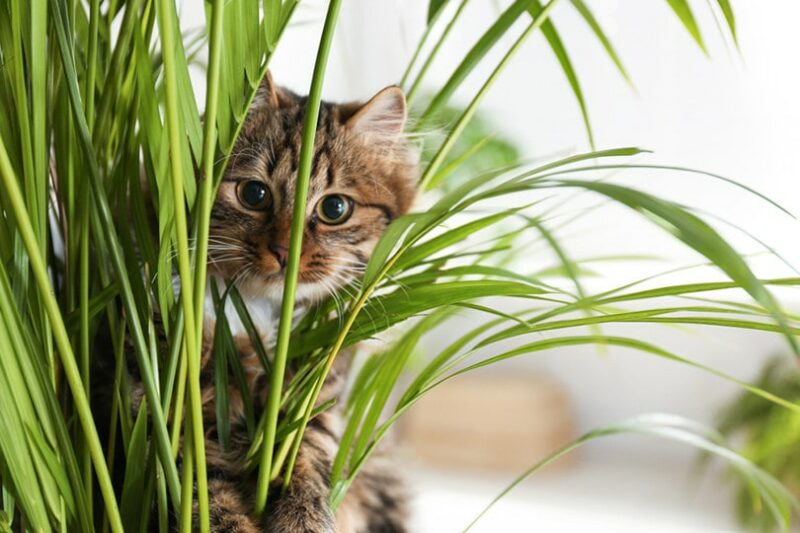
(93, 97)
(480, 148)
(767, 436)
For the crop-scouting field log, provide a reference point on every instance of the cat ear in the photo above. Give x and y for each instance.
(384, 115)
(268, 94)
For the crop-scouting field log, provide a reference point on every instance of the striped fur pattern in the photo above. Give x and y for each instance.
(376, 502)
(361, 157)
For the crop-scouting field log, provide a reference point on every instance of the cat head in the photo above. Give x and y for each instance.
(363, 176)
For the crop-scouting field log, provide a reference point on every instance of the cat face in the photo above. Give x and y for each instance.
(363, 176)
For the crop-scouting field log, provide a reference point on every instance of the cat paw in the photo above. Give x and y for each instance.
(300, 514)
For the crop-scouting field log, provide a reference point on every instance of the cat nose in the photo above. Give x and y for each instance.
(281, 253)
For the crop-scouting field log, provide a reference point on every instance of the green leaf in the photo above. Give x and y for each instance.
(466, 116)
(107, 226)
(590, 19)
(474, 56)
(434, 9)
(417, 253)
(221, 403)
(256, 340)
(554, 40)
(730, 18)
(135, 468)
(99, 302)
(272, 15)
(684, 13)
(281, 352)
(701, 237)
(625, 342)
(779, 500)
(388, 242)
(382, 312)
(434, 13)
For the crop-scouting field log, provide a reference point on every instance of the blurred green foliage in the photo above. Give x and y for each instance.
(770, 437)
(480, 148)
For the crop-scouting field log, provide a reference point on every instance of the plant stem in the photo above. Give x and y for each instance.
(207, 177)
(68, 363)
(429, 60)
(420, 45)
(466, 116)
(295, 249)
(167, 19)
(186, 482)
(84, 246)
(91, 74)
(178, 402)
(84, 330)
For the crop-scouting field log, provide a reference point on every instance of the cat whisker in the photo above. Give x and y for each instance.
(356, 284)
(331, 291)
(225, 255)
(336, 299)
(345, 282)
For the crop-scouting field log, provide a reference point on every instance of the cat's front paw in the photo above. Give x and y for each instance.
(300, 513)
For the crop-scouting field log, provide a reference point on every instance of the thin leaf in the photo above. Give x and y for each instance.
(590, 19)
(554, 40)
(434, 8)
(682, 430)
(684, 13)
(730, 18)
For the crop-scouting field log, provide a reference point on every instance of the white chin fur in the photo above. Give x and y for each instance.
(263, 301)
(306, 293)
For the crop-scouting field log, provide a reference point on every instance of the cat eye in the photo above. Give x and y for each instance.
(254, 194)
(334, 209)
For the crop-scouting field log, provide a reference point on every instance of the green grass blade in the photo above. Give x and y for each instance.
(68, 361)
(674, 428)
(107, 227)
(592, 22)
(293, 264)
(540, 19)
(205, 203)
(174, 65)
(414, 88)
(272, 16)
(730, 18)
(247, 321)
(135, 468)
(434, 9)
(624, 342)
(684, 13)
(417, 253)
(556, 44)
(221, 402)
(474, 56)
(703, 173)
(701, 237)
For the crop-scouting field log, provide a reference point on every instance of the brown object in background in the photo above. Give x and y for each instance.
(490, 422)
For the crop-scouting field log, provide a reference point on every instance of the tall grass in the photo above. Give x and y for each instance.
(100, 125)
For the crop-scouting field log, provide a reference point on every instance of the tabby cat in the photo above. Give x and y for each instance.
(364, 176)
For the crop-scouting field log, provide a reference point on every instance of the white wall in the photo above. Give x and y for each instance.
(730, 114)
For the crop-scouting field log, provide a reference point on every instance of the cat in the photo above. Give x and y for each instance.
(364, 175)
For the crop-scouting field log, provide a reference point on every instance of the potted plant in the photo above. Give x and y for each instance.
(100, 126)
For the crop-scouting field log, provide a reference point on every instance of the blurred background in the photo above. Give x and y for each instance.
(733, 112)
